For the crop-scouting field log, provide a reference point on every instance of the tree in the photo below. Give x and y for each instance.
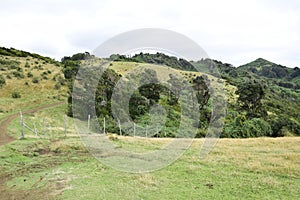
(151, 88)
(201, 87)
(250, 96)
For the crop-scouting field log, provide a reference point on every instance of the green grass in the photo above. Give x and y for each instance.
(260, 168)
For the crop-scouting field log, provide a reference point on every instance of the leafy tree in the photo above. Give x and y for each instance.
(201, 87)
(151, 89)
(70, 69)
(250, 96)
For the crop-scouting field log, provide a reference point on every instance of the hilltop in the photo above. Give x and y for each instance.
(267, 69)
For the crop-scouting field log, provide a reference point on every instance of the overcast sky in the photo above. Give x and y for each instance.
(236, 32)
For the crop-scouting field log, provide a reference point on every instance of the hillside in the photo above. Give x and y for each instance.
(28, 80)
(284, 76)
(274, 113)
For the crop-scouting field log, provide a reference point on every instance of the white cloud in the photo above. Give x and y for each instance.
(232, 31)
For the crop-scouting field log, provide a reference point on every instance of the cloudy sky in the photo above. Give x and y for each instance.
(232, 31)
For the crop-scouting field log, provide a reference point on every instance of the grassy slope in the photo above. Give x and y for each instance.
(32, 94)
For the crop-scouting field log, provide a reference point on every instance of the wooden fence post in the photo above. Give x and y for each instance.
(104, 125)
(22, 125)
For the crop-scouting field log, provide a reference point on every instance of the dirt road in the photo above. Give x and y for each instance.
(4, 138)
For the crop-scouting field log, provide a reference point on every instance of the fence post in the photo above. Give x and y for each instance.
(89, 119)
(22, 125)
(120, 128)
(146, 131)
(104, 125)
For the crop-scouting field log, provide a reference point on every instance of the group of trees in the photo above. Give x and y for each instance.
(158, 58)
(249, 116)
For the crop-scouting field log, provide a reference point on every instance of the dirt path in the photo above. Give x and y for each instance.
(4, 138)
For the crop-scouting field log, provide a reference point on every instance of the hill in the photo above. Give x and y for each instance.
(283, 76)
(262, 97)
(28, 80)
(257, 105)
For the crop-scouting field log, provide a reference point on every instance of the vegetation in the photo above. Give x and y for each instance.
(16, 95)
(60, 167)
(257, 106)
(2, 81)
(19, 53)
(17, 73)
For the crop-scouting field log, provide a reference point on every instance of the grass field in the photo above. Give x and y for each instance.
(62, 168)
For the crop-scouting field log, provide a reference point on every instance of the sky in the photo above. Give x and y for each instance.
(232, 31)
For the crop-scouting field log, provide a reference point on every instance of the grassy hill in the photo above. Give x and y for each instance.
(29, 80)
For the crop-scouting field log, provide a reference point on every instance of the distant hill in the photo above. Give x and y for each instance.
(289, 77)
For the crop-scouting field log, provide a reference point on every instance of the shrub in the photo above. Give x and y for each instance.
(35, 80)
(61, 80)
(18, 74)
(16, 95)
(29, 75)
(27, 65)
(2, 80)
(57, 86)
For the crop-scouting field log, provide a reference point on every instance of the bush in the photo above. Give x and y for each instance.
(2, 80)
(241, 127)
(29, 75)
(27, 65)
(57, 86)
(35, 80)
(16, 95)
(18, 75)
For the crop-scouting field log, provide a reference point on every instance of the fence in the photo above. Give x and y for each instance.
(47, 130)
